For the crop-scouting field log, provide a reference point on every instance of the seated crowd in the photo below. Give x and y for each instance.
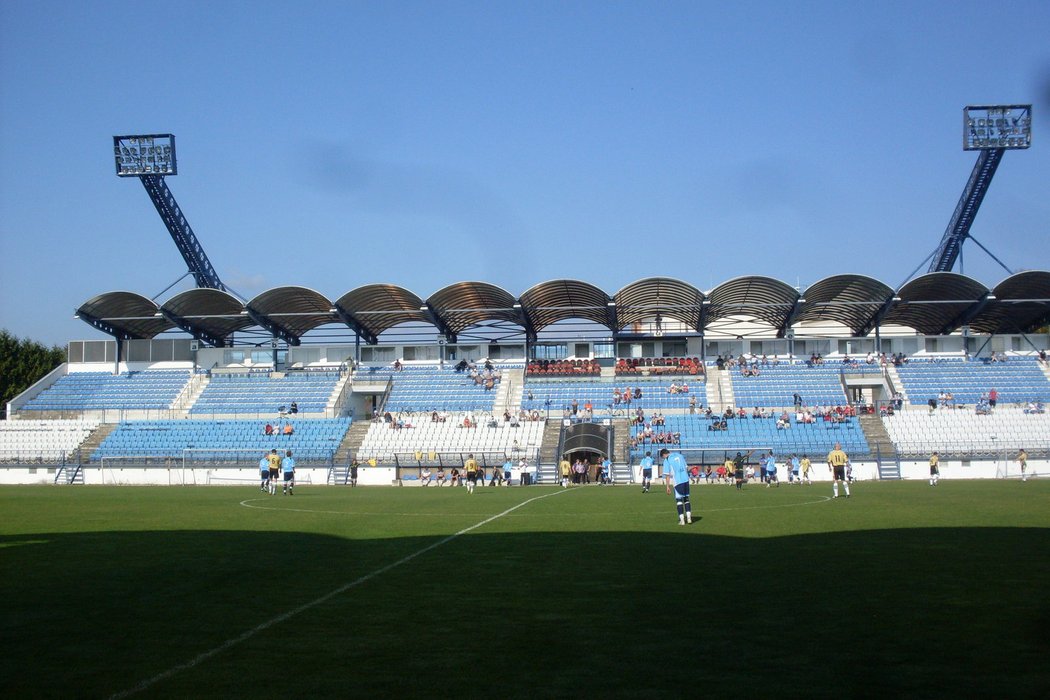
(567, 368)
(660, 365)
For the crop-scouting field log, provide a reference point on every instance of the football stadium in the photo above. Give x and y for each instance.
(491, 486)
(469, 493)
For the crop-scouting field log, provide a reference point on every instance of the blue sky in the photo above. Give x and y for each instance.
(335, 144)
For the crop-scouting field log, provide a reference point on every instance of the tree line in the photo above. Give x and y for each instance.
(23, 362)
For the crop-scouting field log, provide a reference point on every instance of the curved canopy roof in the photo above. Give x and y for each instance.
(761, 298)
(1022, 302)
(211, 315)
(375, 308)
(124, 315)
(560, 300)
(464, 304)
(852, 300)
(935, 302)
(665, 296)
(289, 312)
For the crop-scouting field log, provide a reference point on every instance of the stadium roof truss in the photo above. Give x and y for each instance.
(937, 303)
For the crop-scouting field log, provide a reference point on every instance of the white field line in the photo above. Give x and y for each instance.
(230, 643)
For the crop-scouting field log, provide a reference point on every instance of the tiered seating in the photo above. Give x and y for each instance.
(687, 366)
(222, 441)
(564, 368)
(258, 392)
(656, 394)
(775, 385)
(810, 438)
(426, 438)
(42, 440)
(87, 391)
(950, 431)
(1016, 380)
(431, 388)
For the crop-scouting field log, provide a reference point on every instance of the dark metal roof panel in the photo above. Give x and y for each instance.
(130, 314)
(295, 309)
(212, 311)
(666, 296)
(1022, 303)
(380, 307)
(761, 298)
(931, 302)
(852, 300)
(560, 300)
(465, 304)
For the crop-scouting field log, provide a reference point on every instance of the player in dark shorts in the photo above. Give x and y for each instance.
(837, 460)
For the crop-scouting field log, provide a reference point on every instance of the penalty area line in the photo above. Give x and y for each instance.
(230, 643)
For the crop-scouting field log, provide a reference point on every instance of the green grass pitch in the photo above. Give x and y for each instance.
(902, 590)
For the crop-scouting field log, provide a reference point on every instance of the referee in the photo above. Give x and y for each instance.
(837, 466)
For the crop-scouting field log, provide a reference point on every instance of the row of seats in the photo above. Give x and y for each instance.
(800, 438)
(776, 385)
(656, 395)
(261, 393)
(432, 387)
(383, 440)
(86, 391)
(1018, 380)
(949, 430)
(232, 440)
(42, 440)
(659, 365)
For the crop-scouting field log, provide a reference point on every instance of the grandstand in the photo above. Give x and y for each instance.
(236, 441)
(964, 434)
(419, 439)
(87, 391)
(694, 434)
(42, 441)
(776, 384)
(1020, 380)
(186, 371)
(231, 393)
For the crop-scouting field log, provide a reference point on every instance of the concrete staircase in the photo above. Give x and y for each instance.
(881, 446)
(621, 457)
(351, 442)
(547, 469)
(510, 390)
(92, 441)
(191, 393)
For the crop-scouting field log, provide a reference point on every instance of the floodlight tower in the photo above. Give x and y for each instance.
(992, 130)
(149, 158)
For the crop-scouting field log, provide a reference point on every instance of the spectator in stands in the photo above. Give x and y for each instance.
(294, 408)
(454, 479)
(288, 429)
(397, 366)
(637, 393)
(441, 476)
(694, 474)
(574, 407)
(692, 405)
(1042, 357)
(993, 398)
(837, 460)
(796, 399)
(425, 476)
(268, 430)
